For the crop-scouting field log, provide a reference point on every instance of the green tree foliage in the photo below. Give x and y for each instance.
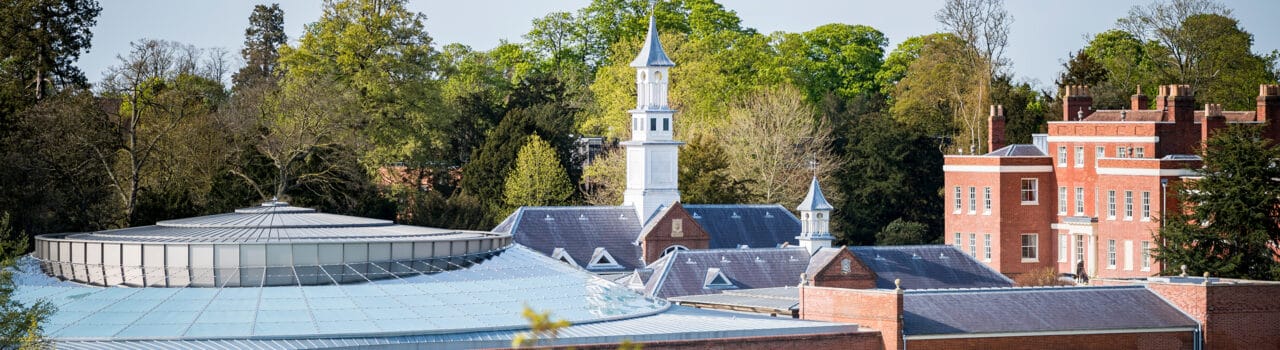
(604, 180)
(1024, 108)
(538, 179)
(21, 325)
(262, 41)
(1227, 223)
(896, 64)
(42, 41)
(944, 95)
(892, 172)
(381, 51)
(705, 174)
(837, 58)
(900, 232)
(773, 142)
(1224, 68)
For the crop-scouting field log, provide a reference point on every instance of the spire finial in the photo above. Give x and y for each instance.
(651, 54)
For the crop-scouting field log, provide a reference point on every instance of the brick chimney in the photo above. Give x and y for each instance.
(995, 128)
(1179, 103)
(1076, 102)
(1213, 120)
(1139, 101)
(1268, 102)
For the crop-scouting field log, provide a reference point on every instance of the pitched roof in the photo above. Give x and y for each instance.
(777, 298)
(579, 231)
(1151, 115)
(1017, 151)
(1021, 310)
(753, 225)
(652, 55)
(686, 272)
(814, 200)
(928, 267)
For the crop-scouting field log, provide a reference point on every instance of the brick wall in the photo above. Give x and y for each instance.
(1243, 315)
(1170, 340)
(661, 234)
(871, 308)
(852, 340)
(832, 275)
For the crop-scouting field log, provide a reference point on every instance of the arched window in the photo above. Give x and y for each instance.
(673, 249)
(657, 76)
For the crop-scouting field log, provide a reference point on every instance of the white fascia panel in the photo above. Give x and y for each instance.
(1146, 172)
(1114, 139)
(998, 168)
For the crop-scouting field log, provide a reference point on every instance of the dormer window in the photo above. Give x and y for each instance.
(562, 255)
(716, 280)
(601, 259)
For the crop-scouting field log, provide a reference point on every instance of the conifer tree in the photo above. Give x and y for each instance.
(538, 178)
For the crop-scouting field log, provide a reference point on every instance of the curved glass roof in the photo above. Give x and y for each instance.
(476, 296)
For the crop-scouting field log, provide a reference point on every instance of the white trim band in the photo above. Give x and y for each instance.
(1048, 333)
(1146, 172)
(1118, 139)
(998, 168)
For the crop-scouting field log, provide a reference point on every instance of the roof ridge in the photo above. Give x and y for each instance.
(1018, 289)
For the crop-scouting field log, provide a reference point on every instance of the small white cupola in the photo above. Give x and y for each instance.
(815, 218)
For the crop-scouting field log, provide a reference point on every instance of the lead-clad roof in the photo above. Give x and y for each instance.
(1021, 310)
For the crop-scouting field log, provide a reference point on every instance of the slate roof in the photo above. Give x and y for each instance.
(579, 230)
(1020, 150)
(1151, 115)
(652, 55)
(928, 267)
(814, 200)
(755, 225)
(778, 298)
(684, 272)
(1020, 310)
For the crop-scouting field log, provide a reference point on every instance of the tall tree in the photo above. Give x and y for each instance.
(839, 58)
(774, 141)
(1227, 222)
(538, 179)
(892, 171)
(984, 25)
(1163, 21)
(944, 95)
(705, 174)
(262, 41)
(42, 41)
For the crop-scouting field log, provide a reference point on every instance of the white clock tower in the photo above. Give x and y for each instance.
(652, 155)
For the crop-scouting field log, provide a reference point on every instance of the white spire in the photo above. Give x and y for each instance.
(651, 54)
(815, 218)
(652, 154)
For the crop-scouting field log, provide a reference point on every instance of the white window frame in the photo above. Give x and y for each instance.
(1101, 152)
(1122, 152)
(1128, 255)
(1111, 254)
(1062, 156)
(973, 245)
(1063, 245)
(1146, 205)
(563, 256)
(601, 253)
(1035, 248)
(959, 200)
(1034, 191)
(973, 200)
(1079, 248)
(1140, 152)
(986, 200)
(1079, 201)
(1062, 200)
(1111, 204)
(1128, 205)
(1079, 156)
(986, 247)
(959, 242)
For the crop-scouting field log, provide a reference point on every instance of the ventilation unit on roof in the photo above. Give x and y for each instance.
(724, 259)
(744, 246)
(735, 215)
(549, 218)
(915, 256)
(768, 215)
(690, 262)
(878, 257)
(759, 260)
(942, 256)
(582, 217)
(716, 280)
(696, 216)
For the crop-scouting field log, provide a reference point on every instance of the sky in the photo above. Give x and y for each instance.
(1042, 35)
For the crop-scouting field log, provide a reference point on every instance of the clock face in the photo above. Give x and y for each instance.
(846, 266)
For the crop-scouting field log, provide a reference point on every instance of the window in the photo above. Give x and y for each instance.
(1030, 247)
(1079, 156)
(1102, 153)
(1141, 152)
(1128, 255)
(1029, 187)
(1146, 255)
(1111, 205)
(1111, 253)
(959, 243)
(666, 124)
(673, 249)
(1146, 205)
(1062, 248)
(986, 200)
(602, 259)
(1079, 247)
(1062, 156)
(563, 256)
(973, 199)
(653, 124)
(957, 200)
(1128, 205)
(1079, 200)
(635, 123)
(986, 247)
(1062, 200)
(973, 245)
(715, 279)
(1122, 152)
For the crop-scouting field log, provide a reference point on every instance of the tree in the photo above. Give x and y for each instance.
(21, 325)
(900, 232)
(982, 24)
(892, 171)
(944, 95)
(537, 179)
(1162, 22)
(1024, 108)
(604, 180)
(262, 41)
(704, 174)
(839, 58)
(381, 51)
(42, 41)
(771, 139)
(896, 64)
(1227, 222)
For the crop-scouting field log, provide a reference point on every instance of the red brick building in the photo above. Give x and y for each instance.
(1091, 190)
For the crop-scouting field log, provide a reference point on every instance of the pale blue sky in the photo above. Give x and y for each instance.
(1043, 33)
